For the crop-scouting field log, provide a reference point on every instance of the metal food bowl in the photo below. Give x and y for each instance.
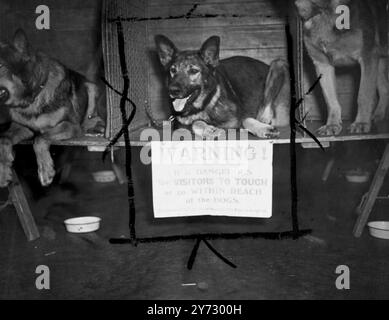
(379, 229)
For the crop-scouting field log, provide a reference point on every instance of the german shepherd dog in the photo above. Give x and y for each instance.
(212, 95)
(365, 43)
(41, 99)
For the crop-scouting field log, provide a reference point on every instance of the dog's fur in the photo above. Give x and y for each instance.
(366, 44)
(225, 94)
(41, 99)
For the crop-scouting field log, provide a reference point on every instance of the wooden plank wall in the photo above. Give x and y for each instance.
(74, 37)
(259, 33)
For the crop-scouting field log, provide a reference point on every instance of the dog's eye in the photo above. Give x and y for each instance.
(173, 70)
(193, 71)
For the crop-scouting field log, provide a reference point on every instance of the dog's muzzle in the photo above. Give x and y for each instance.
(4, 94)
(179, 104)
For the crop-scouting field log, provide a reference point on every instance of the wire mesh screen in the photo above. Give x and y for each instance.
(128, 13)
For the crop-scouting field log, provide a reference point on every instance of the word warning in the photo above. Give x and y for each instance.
(216, 178)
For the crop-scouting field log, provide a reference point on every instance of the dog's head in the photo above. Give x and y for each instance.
(190, 73)
(20, 72)
(309, 8)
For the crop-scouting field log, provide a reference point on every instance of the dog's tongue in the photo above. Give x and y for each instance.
(179, 104)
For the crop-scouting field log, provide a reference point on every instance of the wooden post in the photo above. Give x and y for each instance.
(371, 196)
(23, 211)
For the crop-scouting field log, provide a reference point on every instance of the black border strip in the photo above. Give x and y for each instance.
(217, 236)
(123, 100)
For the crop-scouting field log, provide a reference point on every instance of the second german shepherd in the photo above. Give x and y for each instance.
(210, 95)
(41, 99)
(365, 43)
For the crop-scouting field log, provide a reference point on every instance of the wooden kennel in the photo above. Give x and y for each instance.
(250, 28)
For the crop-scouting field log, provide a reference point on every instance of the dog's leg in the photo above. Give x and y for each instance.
(92, 91)
(45, 163)
(328, 85)
(366, 96)
(65, 130)
(260, 129)
(12, 136)
(383, 90)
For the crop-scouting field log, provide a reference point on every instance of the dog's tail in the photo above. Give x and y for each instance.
(96, 115)
(93, 71)
(277, 92)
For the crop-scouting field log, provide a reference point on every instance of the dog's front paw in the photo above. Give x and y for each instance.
(330, 130)
(46, 173)
(360, 127)
(206, 131)
(5, 175)
(270, 133)
(266, 132)
(259, 129)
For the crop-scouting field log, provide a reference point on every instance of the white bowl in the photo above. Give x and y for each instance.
(357, 176)
(104, 176)
(82, 224)
(379, 229)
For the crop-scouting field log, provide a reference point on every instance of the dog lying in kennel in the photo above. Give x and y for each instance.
(365, 43)
(42, 99)
(211, 95)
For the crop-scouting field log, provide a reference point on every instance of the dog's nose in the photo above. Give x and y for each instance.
(4, 94)
(174, 92)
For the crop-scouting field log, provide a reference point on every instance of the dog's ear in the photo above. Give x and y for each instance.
(166, 49)
(210, 51)
(20, 42)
